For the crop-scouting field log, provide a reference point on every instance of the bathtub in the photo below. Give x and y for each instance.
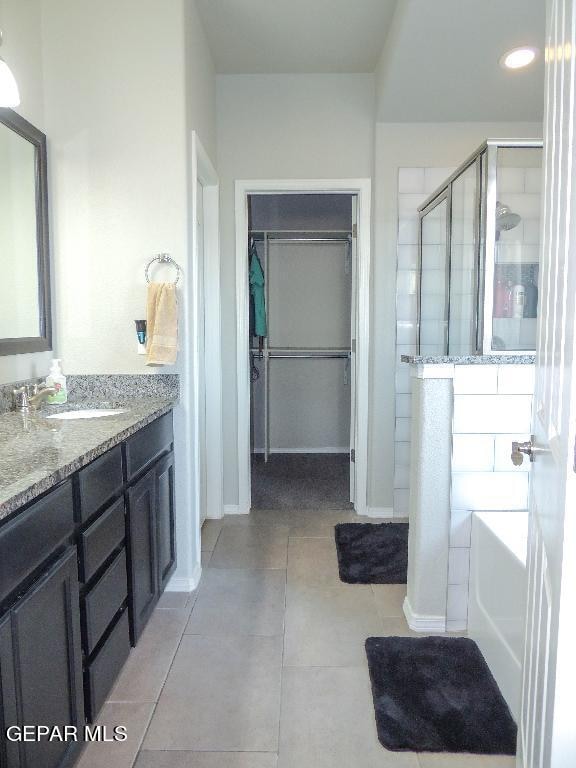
(497, 596)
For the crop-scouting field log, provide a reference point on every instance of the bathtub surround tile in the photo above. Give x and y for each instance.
(489, 490)
(401, 475)
(403, 428)
(472, 453)
(403, 405)
(458, 565)
(401, 502)
(492, 413)
(222, 694)
(470, 380)
(457, 606)
(516, 379)
(460, 527)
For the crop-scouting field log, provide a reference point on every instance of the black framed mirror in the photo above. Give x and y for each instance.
(25, 305)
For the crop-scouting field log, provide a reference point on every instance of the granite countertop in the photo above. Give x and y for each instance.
(36, 453)
(470, 359)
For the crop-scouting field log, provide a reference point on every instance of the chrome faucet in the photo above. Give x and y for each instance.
(28, 397)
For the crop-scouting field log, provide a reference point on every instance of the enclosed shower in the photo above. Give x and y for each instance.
(479, 242)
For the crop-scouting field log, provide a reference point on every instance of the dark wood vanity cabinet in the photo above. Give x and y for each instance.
(41, 666)
(152, 539)
(81, 570)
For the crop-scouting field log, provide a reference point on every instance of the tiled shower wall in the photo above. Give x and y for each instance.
(414, 186)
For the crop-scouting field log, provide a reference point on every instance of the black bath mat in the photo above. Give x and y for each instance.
(436, 694)
(371, 553)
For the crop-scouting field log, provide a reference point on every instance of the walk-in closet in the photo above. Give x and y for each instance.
(302, 276)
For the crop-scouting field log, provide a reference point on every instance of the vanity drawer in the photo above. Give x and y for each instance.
(103, 671)
(99, 540)
(33, 535)
(99, 482)
(147, 444)
(104, 600)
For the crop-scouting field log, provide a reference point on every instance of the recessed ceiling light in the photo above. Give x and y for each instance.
(518, 58)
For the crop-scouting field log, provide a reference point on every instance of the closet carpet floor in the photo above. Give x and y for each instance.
(301, 481)
(264, 665)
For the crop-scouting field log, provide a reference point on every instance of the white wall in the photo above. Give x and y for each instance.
(419, 145)
(20, 20)
(122, 96)
(281, 127)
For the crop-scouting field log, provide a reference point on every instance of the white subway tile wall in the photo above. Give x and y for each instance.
(414, 186)
(492, 408)
(492, 404)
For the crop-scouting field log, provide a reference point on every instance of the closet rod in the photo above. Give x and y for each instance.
(343, 356)
(287, 240)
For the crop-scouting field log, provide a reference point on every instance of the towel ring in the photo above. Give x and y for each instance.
(163, 258)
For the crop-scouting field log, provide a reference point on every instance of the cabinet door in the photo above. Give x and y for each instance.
(48, 660)
(8, 750)
(165, 511)
(143, 562)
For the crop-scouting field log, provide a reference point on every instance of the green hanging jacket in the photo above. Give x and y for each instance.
(257, 290)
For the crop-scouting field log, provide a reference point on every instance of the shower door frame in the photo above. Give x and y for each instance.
(362, 189)
(485, 241)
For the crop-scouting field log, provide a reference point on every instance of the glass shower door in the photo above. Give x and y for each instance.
(433, 298)
(464, 228)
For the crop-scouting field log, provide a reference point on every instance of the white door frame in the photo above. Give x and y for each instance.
(187, 426)
(204, 173)
(361, 188)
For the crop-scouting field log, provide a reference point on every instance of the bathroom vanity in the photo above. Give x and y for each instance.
(87, 545)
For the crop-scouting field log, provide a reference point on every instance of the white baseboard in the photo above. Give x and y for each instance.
(420, 623)
(328, 449)
(387, 512)
(235, 509)
(185, 583)
(215, 517)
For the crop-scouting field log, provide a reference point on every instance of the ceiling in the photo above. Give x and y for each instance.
(441, 62)
(296, 36)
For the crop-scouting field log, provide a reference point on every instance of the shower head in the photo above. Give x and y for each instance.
(505, 218)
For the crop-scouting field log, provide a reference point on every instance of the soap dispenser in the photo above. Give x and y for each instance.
(57, 380)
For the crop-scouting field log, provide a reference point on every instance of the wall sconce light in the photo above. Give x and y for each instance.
(9, 94)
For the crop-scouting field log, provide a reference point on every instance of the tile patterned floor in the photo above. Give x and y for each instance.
(264, 666)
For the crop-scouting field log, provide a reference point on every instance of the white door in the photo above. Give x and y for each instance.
(547, 737)
(354, 336)
(200, 314)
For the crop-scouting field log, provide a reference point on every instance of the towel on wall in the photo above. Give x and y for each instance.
(162, 324)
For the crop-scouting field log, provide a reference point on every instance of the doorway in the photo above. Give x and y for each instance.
(301, 274)
(303, 379)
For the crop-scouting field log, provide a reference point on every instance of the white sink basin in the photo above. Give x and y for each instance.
(88, 413)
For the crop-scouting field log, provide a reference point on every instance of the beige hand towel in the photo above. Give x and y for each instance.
(162, 324)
